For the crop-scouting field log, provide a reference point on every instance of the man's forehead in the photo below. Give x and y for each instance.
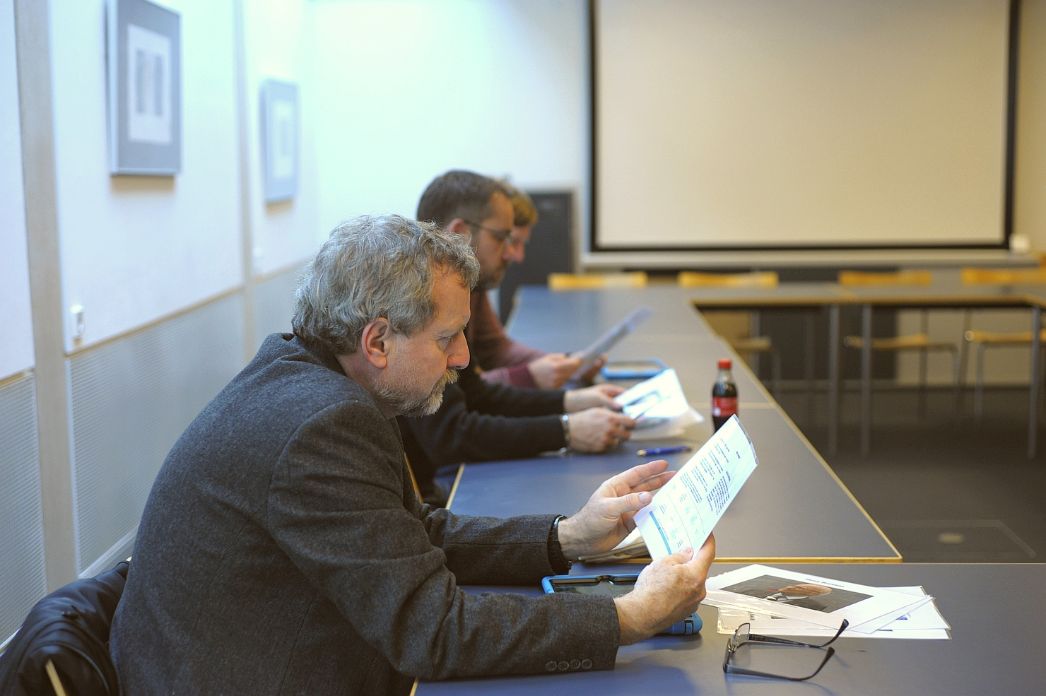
(449, 288)
(500, 206)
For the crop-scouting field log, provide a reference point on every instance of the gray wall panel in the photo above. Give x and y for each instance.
(274, 304)
(22, 575)
(131, 399)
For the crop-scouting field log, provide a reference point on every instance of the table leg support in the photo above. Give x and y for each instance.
(833, 379)
(866, 379)
(1036, 378)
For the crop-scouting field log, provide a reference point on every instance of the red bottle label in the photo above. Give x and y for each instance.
(724, 406)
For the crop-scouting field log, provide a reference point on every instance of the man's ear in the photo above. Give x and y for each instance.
(375, 342)
(459, 226)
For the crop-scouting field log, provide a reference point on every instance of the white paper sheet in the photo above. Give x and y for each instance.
(921, 623)
(609, 339)
(810, 598)
(683, 513)
(659, 406)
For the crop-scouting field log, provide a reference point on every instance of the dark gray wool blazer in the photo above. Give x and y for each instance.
(282, 551)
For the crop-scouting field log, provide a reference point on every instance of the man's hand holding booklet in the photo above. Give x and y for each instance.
(685, 510)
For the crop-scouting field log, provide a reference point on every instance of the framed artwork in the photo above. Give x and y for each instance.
(144, 88)
(279, 139)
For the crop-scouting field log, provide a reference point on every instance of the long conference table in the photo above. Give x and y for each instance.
(793, 512)
(793, 508)
(994, 610)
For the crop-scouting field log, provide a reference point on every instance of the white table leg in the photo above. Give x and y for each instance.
(866, 380)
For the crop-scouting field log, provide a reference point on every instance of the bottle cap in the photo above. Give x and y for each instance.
(725, 364)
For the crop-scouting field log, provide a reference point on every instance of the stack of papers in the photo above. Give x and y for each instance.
(782, 602)
(659, 407)
(684, 511)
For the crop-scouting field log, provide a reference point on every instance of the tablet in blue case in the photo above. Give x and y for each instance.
(612, 586)
(632, 369)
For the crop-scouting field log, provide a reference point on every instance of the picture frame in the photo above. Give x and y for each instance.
(144, 76)
(279, 120)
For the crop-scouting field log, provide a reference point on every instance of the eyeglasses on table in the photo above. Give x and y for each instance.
(743, 637)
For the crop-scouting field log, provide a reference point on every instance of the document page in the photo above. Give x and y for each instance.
(658, 406)
(919, 622)
(683, 513)
(811, 598)
(609, 339)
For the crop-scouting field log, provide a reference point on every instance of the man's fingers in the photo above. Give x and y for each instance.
(616, 507)
(655, 482)
(636, 475)
(704, 556)
(623, 421)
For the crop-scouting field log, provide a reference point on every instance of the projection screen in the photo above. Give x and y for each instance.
(817, 124)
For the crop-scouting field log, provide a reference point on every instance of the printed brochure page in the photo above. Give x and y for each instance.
(683, 513)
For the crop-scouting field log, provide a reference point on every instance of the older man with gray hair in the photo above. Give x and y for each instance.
(283, 549)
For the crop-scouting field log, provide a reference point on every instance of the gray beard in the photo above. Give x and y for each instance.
(416, 407)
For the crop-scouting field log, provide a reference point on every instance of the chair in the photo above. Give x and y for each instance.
(693, 279)
(63, 644)
(919, 341)
(746, 345)
(595, 281)
(982, 340)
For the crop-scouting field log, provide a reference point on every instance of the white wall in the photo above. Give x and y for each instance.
(277, 40)
(406, 89)
(134, 249)
(16, 350)
(1007, 365)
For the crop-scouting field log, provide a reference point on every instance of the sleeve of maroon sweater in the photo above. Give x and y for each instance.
(503, 360)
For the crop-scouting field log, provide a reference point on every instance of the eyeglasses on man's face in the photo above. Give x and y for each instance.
(502, 237)
(748, 648)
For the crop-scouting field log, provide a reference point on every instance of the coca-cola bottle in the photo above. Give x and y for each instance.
(724, 394)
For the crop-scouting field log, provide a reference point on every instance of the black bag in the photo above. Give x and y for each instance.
(69, 628)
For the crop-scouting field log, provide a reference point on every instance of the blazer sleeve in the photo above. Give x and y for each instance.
(483, 422)
(336, 509)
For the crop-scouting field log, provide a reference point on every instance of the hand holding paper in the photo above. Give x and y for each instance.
(684, 511)
(667, 591)
(551, 371)
(608, 514)
(608, 340)
(658, 406)
(598, 396)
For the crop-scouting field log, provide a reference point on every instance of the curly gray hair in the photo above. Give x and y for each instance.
(374, 267)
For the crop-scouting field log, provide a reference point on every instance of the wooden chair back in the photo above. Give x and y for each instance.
(854, 279)
(594, 281)
(1003, 276)
(694, 279)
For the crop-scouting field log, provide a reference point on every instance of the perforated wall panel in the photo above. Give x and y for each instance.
(274, 304)
(131, 399)
(22, 578)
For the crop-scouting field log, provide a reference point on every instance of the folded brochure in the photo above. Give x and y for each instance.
(809, 598)
(922, 622)
(686, 509)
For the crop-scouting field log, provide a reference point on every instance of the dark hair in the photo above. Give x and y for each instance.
(458, 194)
(524, 214)
(374, 267)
